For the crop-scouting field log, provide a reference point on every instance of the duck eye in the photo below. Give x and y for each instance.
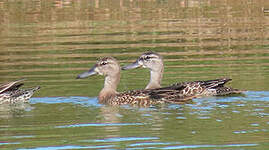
(103, 63)
(147, 57)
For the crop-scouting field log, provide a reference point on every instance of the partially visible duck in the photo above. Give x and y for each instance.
(11, 92)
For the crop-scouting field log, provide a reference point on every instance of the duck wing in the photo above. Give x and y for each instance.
(11, 86)
(213, 83)
(172, 94)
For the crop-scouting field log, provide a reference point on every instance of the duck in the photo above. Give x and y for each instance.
(11, 93)
(110, 69)
(154, 62)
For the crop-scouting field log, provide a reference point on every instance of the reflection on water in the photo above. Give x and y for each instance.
(66, 123)
(50, 41)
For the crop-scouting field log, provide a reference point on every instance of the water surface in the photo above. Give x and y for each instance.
(49, 42)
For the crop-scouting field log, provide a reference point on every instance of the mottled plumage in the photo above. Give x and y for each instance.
(11, 93)
(207, 88)
(150, 97)
(154, 63)
(110, 68)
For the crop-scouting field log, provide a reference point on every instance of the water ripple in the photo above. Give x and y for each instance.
(99, 125)
(120, 139)
(85, 101)
(6, 143)
(256, 96)
(68, 147)
(153, 143)
(207, 146)
(250, 131)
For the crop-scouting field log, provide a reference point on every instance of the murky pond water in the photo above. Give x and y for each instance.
(49, 42)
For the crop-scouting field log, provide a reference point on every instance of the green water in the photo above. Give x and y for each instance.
(49, 42)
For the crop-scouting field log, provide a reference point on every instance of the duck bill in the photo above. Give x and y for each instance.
(132, 66)
(87, 73)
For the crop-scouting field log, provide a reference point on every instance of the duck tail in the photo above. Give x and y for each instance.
(35, 88)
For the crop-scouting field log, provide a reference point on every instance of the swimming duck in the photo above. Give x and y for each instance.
(154, 62)
(10, 92)
(110, 68)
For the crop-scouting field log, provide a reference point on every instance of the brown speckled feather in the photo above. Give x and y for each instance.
(177, 93)
(207, 88)
(148, 97)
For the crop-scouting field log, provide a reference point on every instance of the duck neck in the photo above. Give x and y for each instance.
(156, 76)
(110, 88)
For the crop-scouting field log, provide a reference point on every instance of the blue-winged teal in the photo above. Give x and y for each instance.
(110, 68)
(154, 63)
(10, 93)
